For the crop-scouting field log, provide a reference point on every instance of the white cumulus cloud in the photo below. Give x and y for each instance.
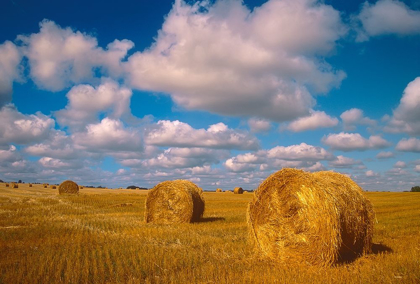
(10, 58)
(226, 59)
(86, 103)
(259, 125)
(108, 135)
(317, 119)
(18, 128)
(408, 145)
(180, 134)
(353, 117)
(354, 142)
(387, 17)
(302, 151)
(406, 116)
(59, 57)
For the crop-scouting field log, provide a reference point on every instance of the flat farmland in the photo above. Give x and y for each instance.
(100, 236)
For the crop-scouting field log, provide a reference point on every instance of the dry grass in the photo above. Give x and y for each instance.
(172, 202)
(320, 218)
(93, 238)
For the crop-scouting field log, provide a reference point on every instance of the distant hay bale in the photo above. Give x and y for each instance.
(320, 218)
(53, 186)
(172, 202)
(228, 190)
(238, 190)
(30, 185)
(7, 185)
(80, 187)
(219, 190)
(14, 185)
(68, 187)
(45, 185)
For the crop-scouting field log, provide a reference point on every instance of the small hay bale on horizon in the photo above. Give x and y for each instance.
(80, 186)
(68, 187)
(318, 218)
(7, 185)
(174, 202)
(219, 190)
(15, 185)
(30, 185)
(238, 190)
(53, 186)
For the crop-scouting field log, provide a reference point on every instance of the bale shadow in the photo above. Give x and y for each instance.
(381, 248)
(376, 249)
(210, 219)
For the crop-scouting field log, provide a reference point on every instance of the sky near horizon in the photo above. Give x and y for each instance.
(222, 93)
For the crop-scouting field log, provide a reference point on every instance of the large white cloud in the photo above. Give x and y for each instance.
(180, 134)
(354, 142)
(184, 158)
(87, 102)
(59, 57)
(344, 162)
(18, 128)
(108, 135)
(10, 58)
(302, 151)
(232, 61)
(259, 125)
(387, 17)
(317, 119)
(297, 156)
(353, 117)
(52, 163)
(406, 116)
(59, 146)
(408, 145)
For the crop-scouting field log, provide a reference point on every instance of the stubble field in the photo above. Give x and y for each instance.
(99, 236)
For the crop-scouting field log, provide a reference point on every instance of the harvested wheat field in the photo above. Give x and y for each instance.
(100, 236)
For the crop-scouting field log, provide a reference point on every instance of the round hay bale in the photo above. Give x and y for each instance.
(15, 185)
(172, 202)
(45, 185)
(7, 185)
(80, 187)
(219, 190)
(238, 190)
(319, 218)
(68, 187)
(30, 185)
(228, 190)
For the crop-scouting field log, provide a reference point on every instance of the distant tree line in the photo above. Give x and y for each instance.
(135, 187)
(415, 188)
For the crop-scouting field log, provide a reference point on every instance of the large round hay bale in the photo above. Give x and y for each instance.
(219, 190)
(172, 202)
(15, 185)
(238, 190)
(320, 218)
(68, 187)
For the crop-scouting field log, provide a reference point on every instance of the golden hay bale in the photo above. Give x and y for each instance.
(80, 187)
(69, 187)
(238, 190)
(53, 186)
(7, 185)
(14, 185)
(30, 185)
(319, 218)
(172, 202)
(228, 190)
(219, 190)
(45, 185)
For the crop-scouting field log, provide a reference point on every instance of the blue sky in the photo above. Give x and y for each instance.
(223, 93)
